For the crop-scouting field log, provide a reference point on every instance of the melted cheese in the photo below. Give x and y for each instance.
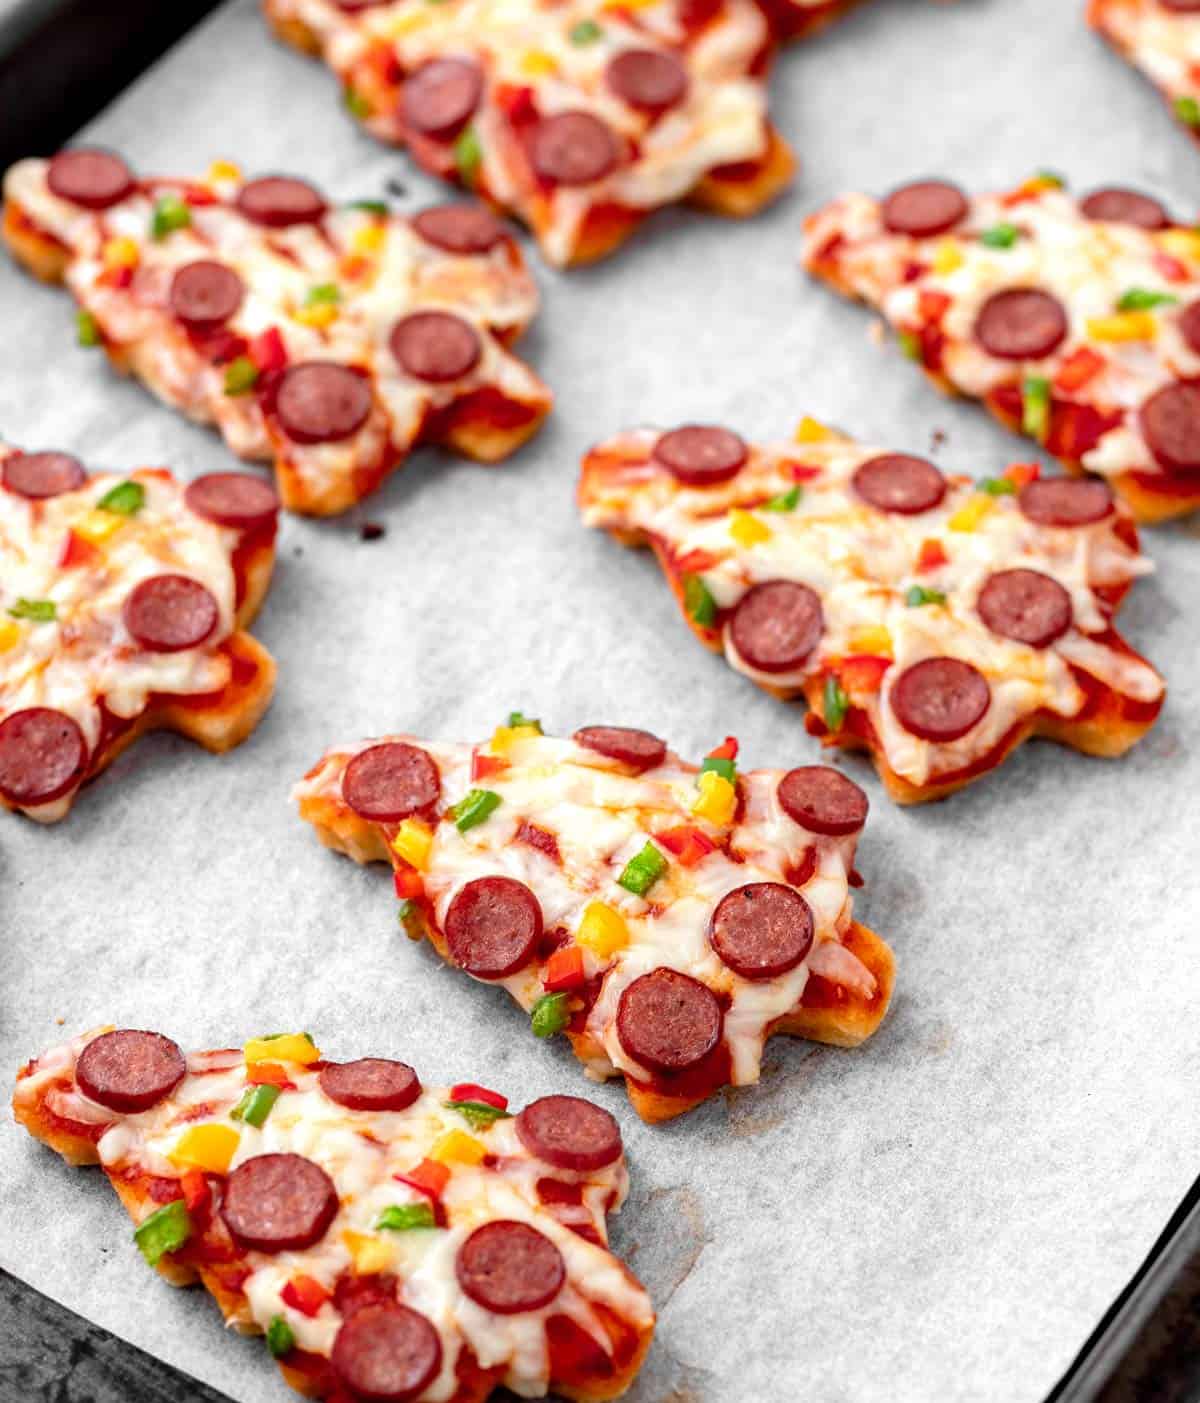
(863, 562)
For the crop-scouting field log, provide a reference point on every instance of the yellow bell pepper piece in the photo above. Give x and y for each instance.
(10, 635)
(505, 737)
(716, 800)
(320, 314)
(369, 1254)
(412, 842)
(287, 1047)
(223, 170)
(971, 515)
(746, 529)
(207, 1147)
(537, 64)
(456, 1146)
(1183, 243)
(810, 430)
(97, 526)
(1123, 326)
(874, 641)
(602, 930)
(947, 257)
(120, 253)
(369, 239)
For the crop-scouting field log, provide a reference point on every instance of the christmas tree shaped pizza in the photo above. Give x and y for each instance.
(330, 341)
(1074, 321)
(580, 117)
(667, 918)
(933, 621)
(123, 600)
(395, 1242)
(1162, 39)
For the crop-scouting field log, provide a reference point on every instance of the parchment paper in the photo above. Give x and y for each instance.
(943, 1214)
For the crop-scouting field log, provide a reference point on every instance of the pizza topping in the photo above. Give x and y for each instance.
(940, 699)
(1189, 326)
(165, 1230)
(776, 625)
(256, 1104)
(668, 1021)
(648, 79)
(701, 455)
(279, 201)
(1170, 423)
(638, 749)
(476, 808)
(762, 930)
(205, 294)
(168, 613)
(88, 177)
(459, 228)
(509, 1267)
(570, 1133)
(41, 475)
(441, 95)
(1021, 323)
(42, 756)
(171, 212)
(371, 1084)
(1065, 501)
(1120, 206)
(435, 346)
(823, 800)
(493, 927)
(550, 1015)
(322, 402)
(236, 500)
(128, 1070)
(125, 499)
(573, 148)
(924, 208)
(278, 1203)
(1027, 606)
(898, 482)
(389, 782)
(642, 870)
(386, 1353)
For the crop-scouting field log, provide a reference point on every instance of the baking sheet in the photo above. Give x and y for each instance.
(946, 1212)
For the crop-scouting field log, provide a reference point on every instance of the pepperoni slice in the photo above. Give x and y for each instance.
(1170, 423)
(459, 228)
(668, 1021)
(278, 1203)
(1117, 205)
(386, 1353)
(1189, 326)
(441, 95)
(89, 177)
(639, 749)
(233, 499)
(41, 475)
(940, 699)
(493, 926)
(823, 800)
(168, 613)
(924, 208)
(1021, 323)
(898, 482)
(509, 1267)
(391, 781)
(435, 346)
(371, 1084)
(205, 294)
(322, 402)
(762, 930)
(570, 1133)
(573, 148)
(1065, 501)
(777, 624)
(129, 1070)
(279, 201)
(648, 79)
(701, 455)
(1182, 7)
(1025, 605)
(42, 756)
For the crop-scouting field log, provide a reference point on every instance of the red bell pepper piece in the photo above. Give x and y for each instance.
(196, 1193)
(1082, 365)
(268, 1074)
(687, 843)
(727, 750)
(803, 472)
(484, 765)
(564, 970)
(305, 1294)
(932, 304)
(77, 551)
(863, 672)
(407, 882)
(267, 350)
(1171, 268)
(429, 1178)
(931, 555)
(1022, 473)
(471, 1091)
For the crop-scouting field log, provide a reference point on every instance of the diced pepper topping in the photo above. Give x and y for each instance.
(643, 870)
(428, 1177)
(37, 611)
(997, 486)
(505, 737)
(550, 1015)
(727, 750)
(267, 1074)
(1183, 243)
(721, 765)
(931, 556)
(405, 1217)
(478, 1114)
(170, 213)
(602, 930)
(87, 329)
(407, 883)
(125, 499)
(910, 344)
(1021, 473)
(784, 501)
(76, 551)
(472, 1091)
(411, 919)
(536, 63)
(120, 253)
(282, 1047)
(319, 314)
(468, 155)
(1123, 326)
(587, 31)
(564, 970)
(196, 1193)
(746, 529)
(1048, 180)
(255, 1105)
(971, 515)
(835, 703)
(717, 798)
(933, 305)
(357, 105)
(686, 843)
(280, 1339)
(267, 350)
(875, 639)
(701, 607)
(863, 673)
(413, 842)
(1035, 407)
(1137, 299)
(918, 596)
(1082, 365)
(10, 636)
(305, 1294)
(223, 170)
(478, 805)
(369, 1255)
(1187, 109)
(379, 207)
(947, 257)
(368, 240)
(208, 1147)
(97, 526)
(457, 1147)
(519, 719)
(165, 1230)
(241, 376)
(810, 430)
(1000, 236)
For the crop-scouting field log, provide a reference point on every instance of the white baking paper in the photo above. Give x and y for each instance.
(943, 1214)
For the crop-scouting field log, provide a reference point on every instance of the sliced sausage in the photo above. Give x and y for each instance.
(924, 208)
(459, 228)
(1116, 205)
(898, 482)
(237, 500)
(168, 613)
(435, 346)
(777, 624)
(638, 749)
(386, 1353)
(823, 800)
(279, 1203)
(322, 402)
(370, 1084)
(648, 79)
(762, 930)
(129, 1070)
(570, 1133)
(279, 201)
(509, 1267)
(89, 177)
(1025, 605)
(205, 294)
(940, 699)
(701, 455)
(41, 475)
(441, 95)
(1021, 323)
(1065, 501)
(1170, 424)
(390, 782)
(573, 148)
(43, 756)
(493, 927)
(668, 1021)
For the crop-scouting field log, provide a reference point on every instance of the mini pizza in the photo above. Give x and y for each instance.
(1074, 321)
(394, 1242)
(1162, 39)
(667, 918)
(329, 341)
(124, 600)
(933, 621)
(579, 118)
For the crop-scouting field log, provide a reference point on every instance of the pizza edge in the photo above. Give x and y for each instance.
(1098, 12)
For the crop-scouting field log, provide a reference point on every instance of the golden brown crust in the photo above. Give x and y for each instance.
(738, 194)
(35, 250)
